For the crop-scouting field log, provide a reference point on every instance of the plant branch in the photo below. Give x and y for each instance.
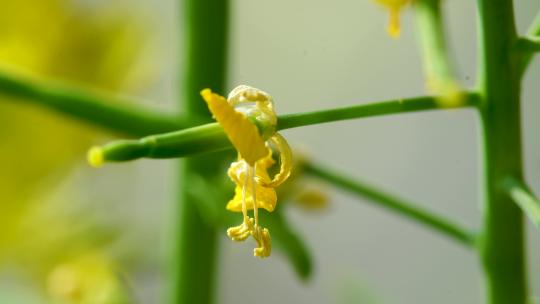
(210, 137)
(533, 32)
(524, 198)
(534, 28)
(399, 206)
(396, 106)
(98, 109)
(528, 45)
(438, 67)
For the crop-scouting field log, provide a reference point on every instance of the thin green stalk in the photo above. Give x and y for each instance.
(534, 28)
(211, 138)
(396, 106)
(195, 241)
(399, 206)
(524, 198)
(439, 71)
(112, 113)
(534, 31)
(502, 238)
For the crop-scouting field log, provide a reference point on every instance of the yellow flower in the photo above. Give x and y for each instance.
(88, 278)
(394, 7)
(248, 118)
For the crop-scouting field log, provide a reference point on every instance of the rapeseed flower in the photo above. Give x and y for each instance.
(248, 118)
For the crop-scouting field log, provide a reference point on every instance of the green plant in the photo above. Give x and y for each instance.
(504, 56)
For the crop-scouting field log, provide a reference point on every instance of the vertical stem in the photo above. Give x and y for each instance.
(196, 243)
(502, 242)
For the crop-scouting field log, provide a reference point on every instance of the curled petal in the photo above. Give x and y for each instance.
(286, 161)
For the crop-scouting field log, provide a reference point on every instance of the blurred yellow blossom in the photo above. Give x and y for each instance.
(63, 40)
(87, 279)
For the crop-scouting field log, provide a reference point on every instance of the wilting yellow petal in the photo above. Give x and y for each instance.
(266, 199)
(243, 134)
(286, 161)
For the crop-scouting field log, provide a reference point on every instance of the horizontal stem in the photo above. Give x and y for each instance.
(108, 112)
(524, 198)
(528, 45)
(210, 137)
(395, 204)
(533, 31)
(396, 106)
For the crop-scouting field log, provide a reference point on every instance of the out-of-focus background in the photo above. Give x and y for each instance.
(63, 222)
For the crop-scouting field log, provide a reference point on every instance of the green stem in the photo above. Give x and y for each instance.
(211, 138)
(396, 106)
(524, 198)
(534, 31)
(528, 45)
(195, 241)
(502, 242)
(440, 75)
(104, 111)
(399, 206)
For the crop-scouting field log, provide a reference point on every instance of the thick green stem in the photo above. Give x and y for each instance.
(112, 113)
(393, 203)
(196, 247)
(502, 240)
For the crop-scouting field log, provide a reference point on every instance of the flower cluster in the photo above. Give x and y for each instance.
(248, 118)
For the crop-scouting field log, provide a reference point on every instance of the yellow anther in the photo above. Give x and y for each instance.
(95, 157)
(241, 232)
(264, 242)
(244, 93)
